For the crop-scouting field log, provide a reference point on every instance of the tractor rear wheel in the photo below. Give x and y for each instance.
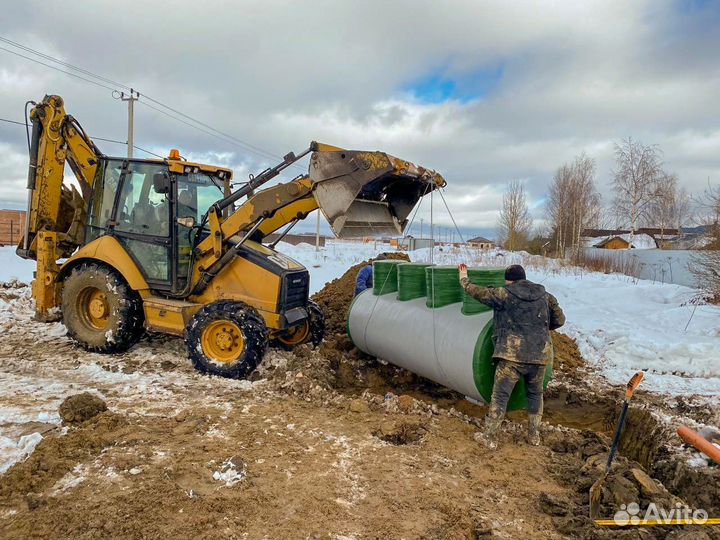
(100, 311)
(310, 330)
(228, 339)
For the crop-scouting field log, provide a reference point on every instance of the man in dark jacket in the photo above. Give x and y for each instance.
(524, 314)
(364, 279)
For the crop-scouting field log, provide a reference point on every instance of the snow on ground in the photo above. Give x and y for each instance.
(13, 267)
(621, 324)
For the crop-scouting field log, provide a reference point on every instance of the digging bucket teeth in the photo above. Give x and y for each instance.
(367, 193)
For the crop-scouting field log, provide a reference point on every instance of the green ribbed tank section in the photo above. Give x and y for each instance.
(484, 372)
(485, 277)
(411, 280)
(443, 286)
(385, 278)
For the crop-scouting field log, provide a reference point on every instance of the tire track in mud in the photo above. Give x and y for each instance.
(169, 430)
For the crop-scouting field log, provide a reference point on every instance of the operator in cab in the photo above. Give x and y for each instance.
(524, 313)
(364, 278)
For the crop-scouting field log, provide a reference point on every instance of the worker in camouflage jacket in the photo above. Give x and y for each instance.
(524, 314)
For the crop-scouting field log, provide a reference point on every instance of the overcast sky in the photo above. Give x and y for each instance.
(484, 92)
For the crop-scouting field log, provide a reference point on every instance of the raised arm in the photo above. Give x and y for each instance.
(557, 317)
(490, 296)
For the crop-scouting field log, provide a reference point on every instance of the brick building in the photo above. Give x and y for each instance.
(12, 225)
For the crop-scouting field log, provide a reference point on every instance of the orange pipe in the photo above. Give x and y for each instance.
(696, 440)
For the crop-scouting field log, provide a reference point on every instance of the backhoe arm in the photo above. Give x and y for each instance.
(55, 219)
(54, 207)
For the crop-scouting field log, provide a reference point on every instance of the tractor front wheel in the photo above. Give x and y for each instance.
(228, 339)
(310, 330)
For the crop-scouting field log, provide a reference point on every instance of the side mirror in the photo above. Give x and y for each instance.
(188, 222)
(161, 183)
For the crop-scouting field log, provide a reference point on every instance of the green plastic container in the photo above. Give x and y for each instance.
(484, 372)
(485, 277)
(442, 345)
(411, 280)
(385, 279)
(443, 286)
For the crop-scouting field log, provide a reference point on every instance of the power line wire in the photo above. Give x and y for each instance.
(61, 62)
(58, 69)
(12, 122)
(239, 141)
(215, 133)
(94, 138)
(227, 138)
(219, 137)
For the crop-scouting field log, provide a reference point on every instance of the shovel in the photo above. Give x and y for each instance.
(596, 489)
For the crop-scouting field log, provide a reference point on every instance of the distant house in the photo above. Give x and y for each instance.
(481, 243)
(625, 241)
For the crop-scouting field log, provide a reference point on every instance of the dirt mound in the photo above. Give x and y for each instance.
(399, 434)
(214, 472)
(56, 456)
(567, 354)
(81, 407)
(336, 296)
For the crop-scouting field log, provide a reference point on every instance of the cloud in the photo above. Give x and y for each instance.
(484, 92)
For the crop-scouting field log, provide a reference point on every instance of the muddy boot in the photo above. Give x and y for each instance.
(492, 424)
(534, 429)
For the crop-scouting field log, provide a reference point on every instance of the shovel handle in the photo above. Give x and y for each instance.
(616, 438)
(633, 383)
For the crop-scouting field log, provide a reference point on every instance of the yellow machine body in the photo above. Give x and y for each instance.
(173, 232)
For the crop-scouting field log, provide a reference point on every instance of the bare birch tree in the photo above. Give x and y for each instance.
(637, 172)
(669, 204)
(705, 264)
(573, 203)
(682, 209)
(514, 222)
(708, 204)
(557, 207)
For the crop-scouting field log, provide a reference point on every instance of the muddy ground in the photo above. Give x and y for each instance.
(321, 443)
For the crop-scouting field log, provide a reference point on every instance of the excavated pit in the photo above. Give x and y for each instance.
(350, 406)
(649, 445)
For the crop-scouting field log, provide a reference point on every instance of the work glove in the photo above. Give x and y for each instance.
(463, 271)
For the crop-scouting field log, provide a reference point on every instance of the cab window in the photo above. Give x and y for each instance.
(196, 193)
(141, 210)
(104, 190)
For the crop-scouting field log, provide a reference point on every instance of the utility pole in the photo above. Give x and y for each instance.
(131, 99)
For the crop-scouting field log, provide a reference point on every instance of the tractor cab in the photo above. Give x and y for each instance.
(154, 209)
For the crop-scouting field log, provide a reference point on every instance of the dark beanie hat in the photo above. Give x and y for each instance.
(514, 273)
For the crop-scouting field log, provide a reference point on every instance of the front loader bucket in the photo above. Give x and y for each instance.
(368, 193)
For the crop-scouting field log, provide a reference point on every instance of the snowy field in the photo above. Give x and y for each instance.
(621, 324)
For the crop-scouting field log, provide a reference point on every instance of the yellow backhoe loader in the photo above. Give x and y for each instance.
(161, 244)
